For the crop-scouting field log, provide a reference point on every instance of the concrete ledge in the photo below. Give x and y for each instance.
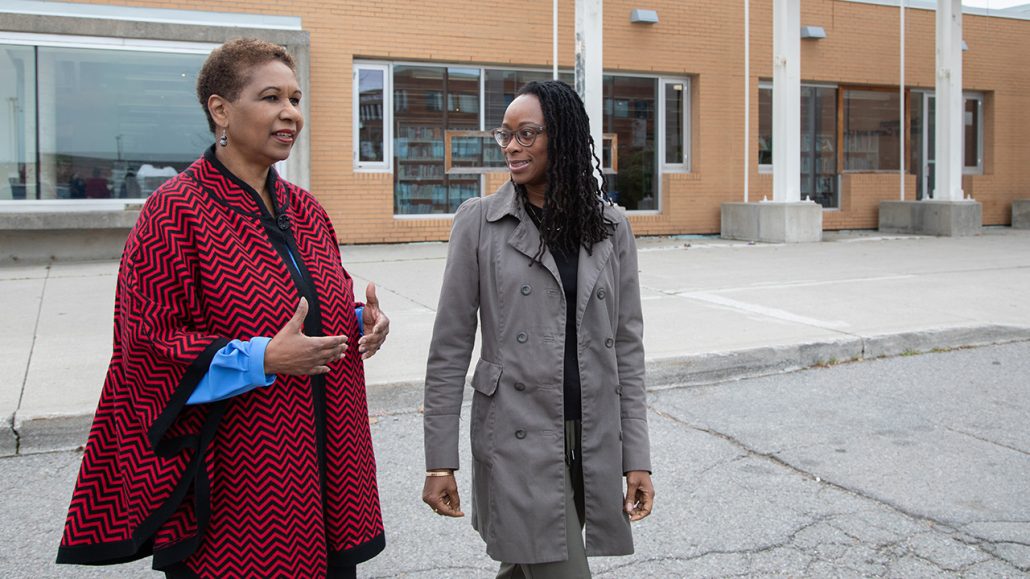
(49, 433)
(36, 237)
(929, 217)
(8, 440)
(1021, 214)
(772, 222)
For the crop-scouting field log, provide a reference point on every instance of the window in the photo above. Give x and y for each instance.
(818, 141)
(111, 123)
(371, 142)
(433, 131)
(675, 125)
(872, 130)
(420, 120)
(18, 167)
(630, 112)
(973, 142)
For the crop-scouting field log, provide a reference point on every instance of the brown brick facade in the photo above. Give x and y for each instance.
(702, 40)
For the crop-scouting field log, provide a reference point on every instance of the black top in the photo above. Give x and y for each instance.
(568, 268)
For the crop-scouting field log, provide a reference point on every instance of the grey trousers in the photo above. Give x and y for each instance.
(576, 566)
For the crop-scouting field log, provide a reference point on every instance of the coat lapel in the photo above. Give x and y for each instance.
(525, 238)
(590, 267)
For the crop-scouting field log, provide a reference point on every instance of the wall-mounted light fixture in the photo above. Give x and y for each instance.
(813, 32)
(965, 46)
(639, 16)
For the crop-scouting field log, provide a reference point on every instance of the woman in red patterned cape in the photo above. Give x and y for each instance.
(232, 435)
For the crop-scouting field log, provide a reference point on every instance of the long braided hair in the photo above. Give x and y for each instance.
(573, 213)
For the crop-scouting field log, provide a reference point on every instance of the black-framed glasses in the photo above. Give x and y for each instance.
(525, 135)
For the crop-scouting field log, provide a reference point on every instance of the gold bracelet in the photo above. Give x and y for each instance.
(439, 473)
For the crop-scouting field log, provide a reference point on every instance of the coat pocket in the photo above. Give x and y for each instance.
(486, 377)
(484, 383)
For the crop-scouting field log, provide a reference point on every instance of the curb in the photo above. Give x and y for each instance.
(34, 435)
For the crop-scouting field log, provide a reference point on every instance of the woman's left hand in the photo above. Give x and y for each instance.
(377, 325)
(639, 494)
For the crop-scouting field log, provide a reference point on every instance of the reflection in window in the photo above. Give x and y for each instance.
(630, 107)
(18, 123)
(818, 141)
(675, 130)
(116, 124)
(420, 121)
(501, 86)
(765, 131)
(872, 130)
(370, 115)
(971, 120)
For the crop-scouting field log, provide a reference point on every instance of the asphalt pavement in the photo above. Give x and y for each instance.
(909, 466)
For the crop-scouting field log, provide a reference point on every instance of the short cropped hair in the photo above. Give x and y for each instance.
(226, 70)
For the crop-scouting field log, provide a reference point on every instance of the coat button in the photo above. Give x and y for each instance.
(618, 390)
(601, 294)
(608, 342)
(520, 434)
(520, 386)
(521, 338)
(526, 289)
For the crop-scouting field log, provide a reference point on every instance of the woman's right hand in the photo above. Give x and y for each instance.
(441, 493)
(290, 352)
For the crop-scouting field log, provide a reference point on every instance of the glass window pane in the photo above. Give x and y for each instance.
(501, 86)
(872, 130)
(370, 115)
(765, 143)
(629, 105)
(116, 123)
(675, 102)
(819, 145)
(18, 123)
(972, 133)
(429, 100)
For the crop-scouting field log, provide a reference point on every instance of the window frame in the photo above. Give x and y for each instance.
(978, 168)
(685, 166)
(386, 165)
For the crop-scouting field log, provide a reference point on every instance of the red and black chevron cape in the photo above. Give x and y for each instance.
(277, 482)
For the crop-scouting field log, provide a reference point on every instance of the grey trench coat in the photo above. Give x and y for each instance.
(516, 429)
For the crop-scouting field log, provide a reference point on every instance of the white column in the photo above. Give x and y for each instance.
(902, 161)
(747, 97)
(787, 100)
(554, 39)
(948, 161)
(589, 67)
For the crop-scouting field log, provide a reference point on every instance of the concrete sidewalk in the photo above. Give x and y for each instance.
(713, 310)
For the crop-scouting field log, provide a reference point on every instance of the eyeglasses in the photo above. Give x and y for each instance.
(525, 136)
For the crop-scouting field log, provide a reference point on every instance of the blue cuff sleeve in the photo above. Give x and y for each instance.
(237, 368)
(360, 312)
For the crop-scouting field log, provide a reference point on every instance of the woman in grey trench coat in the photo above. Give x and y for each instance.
(558, 410)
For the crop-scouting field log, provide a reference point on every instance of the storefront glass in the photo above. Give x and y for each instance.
(427, 101)
(116, 124)
(630, 107)
(872, 130)
(18, 122)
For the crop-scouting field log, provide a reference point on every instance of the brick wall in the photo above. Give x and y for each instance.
(702, 39)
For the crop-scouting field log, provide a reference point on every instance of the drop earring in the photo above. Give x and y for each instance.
(224, 141)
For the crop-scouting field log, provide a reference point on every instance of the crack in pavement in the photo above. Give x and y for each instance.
(987, 440)
(948, 527)
(28, 363)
